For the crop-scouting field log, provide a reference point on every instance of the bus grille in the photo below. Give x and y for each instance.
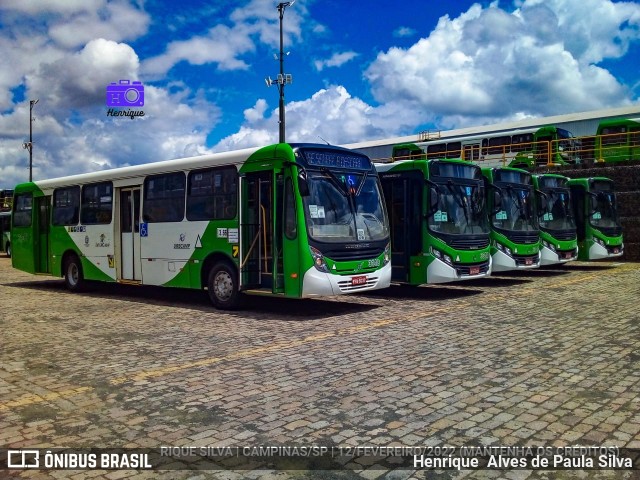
(563, 235)
(345, 285)
(353, 254)
(469, 244)
(525, 238)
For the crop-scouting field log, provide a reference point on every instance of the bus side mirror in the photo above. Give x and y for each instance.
(303, 185)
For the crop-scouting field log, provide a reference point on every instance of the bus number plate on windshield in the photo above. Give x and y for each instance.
(362, 280)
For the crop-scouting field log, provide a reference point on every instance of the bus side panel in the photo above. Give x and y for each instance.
(93, 244)
(217, 237)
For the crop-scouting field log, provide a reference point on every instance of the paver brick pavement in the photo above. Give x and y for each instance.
(546, 357)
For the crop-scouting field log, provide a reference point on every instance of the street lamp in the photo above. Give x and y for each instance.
(282, 79)
(29, 145)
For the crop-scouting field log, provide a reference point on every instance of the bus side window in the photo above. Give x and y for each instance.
(22, 210)
(164, 198)
(66, 206)
(212, 194)
(290, 220)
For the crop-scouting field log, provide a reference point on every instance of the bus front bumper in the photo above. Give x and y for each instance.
(316, 282)
(440, 272)
(503, 262)
(551, 257)
(597, 251)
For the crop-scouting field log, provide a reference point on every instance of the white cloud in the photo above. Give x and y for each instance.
(331, 114)
(115, 21)
(336, 60)
(222, 45)
(225, 45)
(488, 64)
(80, 79)
(404, 32)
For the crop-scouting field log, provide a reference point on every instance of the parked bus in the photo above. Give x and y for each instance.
(558, 239)
(618, 140)
(294, 220)
(518, 148)
(515, 237)
(598, 228)
(438, 219)
(5, 233)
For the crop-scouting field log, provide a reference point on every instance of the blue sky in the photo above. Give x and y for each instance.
(361, 71)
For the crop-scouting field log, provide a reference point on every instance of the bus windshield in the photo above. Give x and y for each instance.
(344, 207)
(605, 214)
(517, 212)
(558, 214)
(461, 209)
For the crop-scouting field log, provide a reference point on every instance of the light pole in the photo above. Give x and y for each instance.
(29, 145)
(282, 78)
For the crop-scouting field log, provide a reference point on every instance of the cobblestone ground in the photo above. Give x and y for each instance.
(546, 357)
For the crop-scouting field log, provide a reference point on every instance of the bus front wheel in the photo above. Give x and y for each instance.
(73, 277)
(223, 286)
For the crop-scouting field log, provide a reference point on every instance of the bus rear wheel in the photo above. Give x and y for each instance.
(73, 276)
(223, 286)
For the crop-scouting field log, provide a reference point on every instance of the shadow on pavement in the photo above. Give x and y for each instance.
(252, 306)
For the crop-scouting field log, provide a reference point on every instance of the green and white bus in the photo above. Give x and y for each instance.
(5, 233)
(598, 228)
(558, 239)
(295, 220)
(438, 220)
(515, 236)
(519, 148)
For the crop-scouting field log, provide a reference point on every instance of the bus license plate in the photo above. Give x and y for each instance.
(528, 261)
(474, 270)
(615, 250)
(359, 280)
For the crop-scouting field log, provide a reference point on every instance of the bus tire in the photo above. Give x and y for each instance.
(223, 286)
(73, 276)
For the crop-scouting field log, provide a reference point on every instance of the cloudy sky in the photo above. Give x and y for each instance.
(361, 71)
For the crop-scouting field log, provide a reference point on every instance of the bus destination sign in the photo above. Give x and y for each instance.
(336, 159)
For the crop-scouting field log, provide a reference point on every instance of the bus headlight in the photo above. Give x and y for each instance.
(318, 260)
(598, 241)
(387, 254)
(441, 256)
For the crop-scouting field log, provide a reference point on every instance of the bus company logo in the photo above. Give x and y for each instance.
(102, 243)
(86, 240)
(182, 245)
(125, 93)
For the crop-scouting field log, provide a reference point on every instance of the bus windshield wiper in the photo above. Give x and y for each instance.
(336, 181)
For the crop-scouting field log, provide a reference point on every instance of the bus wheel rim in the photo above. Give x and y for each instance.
(223, 286)
(73, 274)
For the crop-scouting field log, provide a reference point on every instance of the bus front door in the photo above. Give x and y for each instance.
(257, 261)
(41, 235)
(130, 268)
